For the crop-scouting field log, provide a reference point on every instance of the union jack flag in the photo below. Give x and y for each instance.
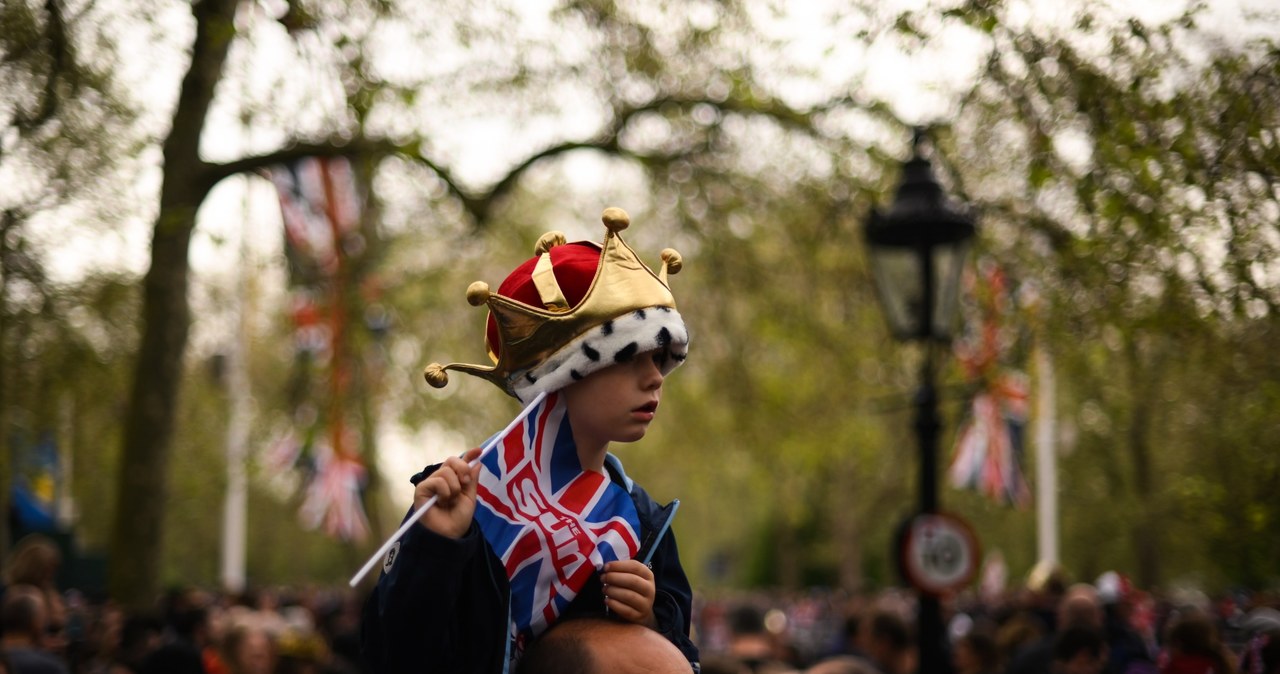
(552, 523)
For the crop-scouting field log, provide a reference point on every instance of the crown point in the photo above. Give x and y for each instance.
(477, 293)
(548, 241)
(435, 375)
(615, 219)
(671, 258)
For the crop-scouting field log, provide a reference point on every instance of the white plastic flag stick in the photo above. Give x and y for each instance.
(484, 451)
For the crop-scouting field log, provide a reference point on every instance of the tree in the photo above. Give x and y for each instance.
(64, 127)
(188, 178)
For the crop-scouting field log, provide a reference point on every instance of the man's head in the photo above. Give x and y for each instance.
(23, 615)
(1080, 606)
(574, 309)
(598, 646)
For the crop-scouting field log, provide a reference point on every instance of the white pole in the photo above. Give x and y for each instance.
(235, 504)
(1046, 459)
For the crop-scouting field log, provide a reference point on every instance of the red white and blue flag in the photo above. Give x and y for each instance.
(550, 522)
(989, 446)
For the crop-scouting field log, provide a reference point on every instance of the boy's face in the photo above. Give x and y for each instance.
(616, 403)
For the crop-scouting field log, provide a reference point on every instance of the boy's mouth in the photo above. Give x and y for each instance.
(649, 407)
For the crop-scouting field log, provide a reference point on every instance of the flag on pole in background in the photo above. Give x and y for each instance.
(989, 450)
(320, 207)
(551, 523)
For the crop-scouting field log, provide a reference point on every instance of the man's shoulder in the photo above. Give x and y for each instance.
(31, 661)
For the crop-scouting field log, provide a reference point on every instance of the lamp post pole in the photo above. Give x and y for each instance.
(917, 250)
(927, 429)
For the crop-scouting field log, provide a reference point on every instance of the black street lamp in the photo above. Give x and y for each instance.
(917, 250)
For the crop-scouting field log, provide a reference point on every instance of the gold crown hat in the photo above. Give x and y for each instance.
(627, 310)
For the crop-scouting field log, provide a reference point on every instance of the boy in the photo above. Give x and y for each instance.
(548, 525)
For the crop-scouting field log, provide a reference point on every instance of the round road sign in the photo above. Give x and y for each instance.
(938, 552)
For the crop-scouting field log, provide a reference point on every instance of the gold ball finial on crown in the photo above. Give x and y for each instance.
(548, 241)
(615, 219)
(477, 293)
(671, 258)
(435, 375)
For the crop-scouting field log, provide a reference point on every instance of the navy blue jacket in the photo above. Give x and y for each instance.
(442, 604)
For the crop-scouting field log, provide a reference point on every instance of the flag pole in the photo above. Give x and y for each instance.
(484, 451)
(1046, 460)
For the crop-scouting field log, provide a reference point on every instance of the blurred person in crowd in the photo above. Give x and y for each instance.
(1262, 653)
(1079, 607)
(188, 632)
(842, 664)
(248, 649)
(751, 642)
(720, 663)
(302, 652)
(35, 561)
(1046, 587)
(975, 652)
(140, 636)
(56, 638)
(1079, 649)
(885, 639)
(1018, 631)
(848, 644)
(599, 646)
(5, 668)
(24, 626)
(339, 628)
(1193, 646)
(1126, 648)
(96, 644)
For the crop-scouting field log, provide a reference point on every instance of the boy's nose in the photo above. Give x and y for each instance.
(651, 374)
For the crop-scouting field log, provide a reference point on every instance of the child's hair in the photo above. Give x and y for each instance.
(572, 309)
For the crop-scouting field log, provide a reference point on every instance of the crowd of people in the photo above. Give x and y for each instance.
(1050, 625)
(1046, 626)
(46, 629)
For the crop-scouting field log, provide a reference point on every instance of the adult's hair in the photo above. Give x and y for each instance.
(34, 561)
(1080, 607)
(560, 650)
(22, 610)
(1077, 639)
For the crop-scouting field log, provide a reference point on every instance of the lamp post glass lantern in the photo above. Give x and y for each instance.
(917, 251)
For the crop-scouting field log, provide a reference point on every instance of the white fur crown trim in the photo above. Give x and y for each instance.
(615, 341)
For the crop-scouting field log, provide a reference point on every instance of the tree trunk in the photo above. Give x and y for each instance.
(138, 533)
(6, 452)
(1146, 530)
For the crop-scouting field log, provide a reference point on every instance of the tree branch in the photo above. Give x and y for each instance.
(214, 173)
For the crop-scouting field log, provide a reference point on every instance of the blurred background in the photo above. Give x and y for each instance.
(235, 232)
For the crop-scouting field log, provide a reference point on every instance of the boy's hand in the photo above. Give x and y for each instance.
(629, 591)
(454, 482)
